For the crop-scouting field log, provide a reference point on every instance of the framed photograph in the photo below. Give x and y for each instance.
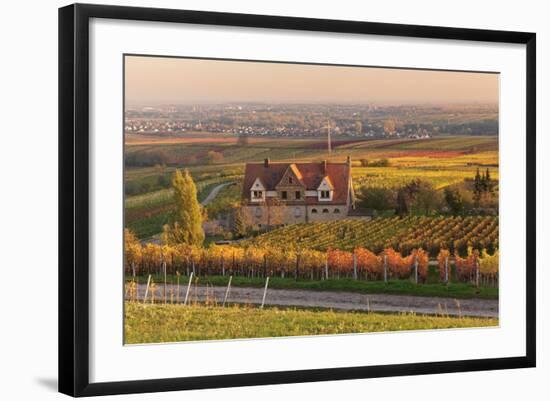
(250, 199)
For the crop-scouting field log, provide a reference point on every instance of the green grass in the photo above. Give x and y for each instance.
(168, 323)
(146, 214)
(226, 199)
(397, 287)
(147, 227)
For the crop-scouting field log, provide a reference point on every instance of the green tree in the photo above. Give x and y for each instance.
(186, 222)
(454, 200)
(487, 181)
(426, 199)
(380, 163)
(376, 198)
(479, 187)
(402, 208)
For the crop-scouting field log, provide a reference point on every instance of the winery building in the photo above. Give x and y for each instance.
(277, 194)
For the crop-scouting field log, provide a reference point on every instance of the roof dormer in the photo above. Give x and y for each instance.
(257, 191)
(325, 190)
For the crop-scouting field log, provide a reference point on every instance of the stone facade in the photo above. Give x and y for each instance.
(262, 216)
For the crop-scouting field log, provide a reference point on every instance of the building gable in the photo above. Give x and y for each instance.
(291, 178)
(325, 185)
(258, 185)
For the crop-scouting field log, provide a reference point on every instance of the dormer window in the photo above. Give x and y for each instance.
(257, 191)
(289, 179)
(325, 190)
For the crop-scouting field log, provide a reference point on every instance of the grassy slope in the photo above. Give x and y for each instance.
(398, 287)
(146, 214)
(167, 323)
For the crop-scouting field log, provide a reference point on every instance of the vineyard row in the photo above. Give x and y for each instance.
(361, 263)
(456, 233)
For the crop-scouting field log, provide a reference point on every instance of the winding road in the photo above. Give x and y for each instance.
(336, 300)
(215, 191)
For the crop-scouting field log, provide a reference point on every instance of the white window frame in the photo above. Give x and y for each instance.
(257, 187)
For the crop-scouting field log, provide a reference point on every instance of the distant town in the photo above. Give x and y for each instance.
(313, 120)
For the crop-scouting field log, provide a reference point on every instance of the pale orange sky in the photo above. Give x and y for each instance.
(157, 80)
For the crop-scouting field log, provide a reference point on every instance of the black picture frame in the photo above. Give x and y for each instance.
(74, 198)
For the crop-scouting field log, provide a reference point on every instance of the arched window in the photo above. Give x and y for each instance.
(313, 211)
(325, 210)
(297, 212)
(336, 210)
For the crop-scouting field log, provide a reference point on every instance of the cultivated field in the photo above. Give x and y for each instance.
(441, 161)
(146, 323)
(403, 234)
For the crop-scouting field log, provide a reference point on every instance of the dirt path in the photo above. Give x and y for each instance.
(338, 300)
(215, 191)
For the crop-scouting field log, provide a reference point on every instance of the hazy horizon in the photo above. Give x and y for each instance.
(155, 81)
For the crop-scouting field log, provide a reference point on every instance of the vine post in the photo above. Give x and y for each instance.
(188, 288)
(477, 272)
(177, 287)
(227, 291)
(265, 292)
(147, 289)
(385, 268)
(354, 265)
(165, 284)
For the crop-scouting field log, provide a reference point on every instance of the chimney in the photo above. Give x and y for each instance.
(324, 166)
(266, 162)
(348, 160)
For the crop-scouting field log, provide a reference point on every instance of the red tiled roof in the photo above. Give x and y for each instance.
(311, 174)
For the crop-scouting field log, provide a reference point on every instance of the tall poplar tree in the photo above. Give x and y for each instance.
(479, 185)
(186, 224)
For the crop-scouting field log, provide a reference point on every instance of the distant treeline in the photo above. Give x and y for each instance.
(482, 127)
(162, 157)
